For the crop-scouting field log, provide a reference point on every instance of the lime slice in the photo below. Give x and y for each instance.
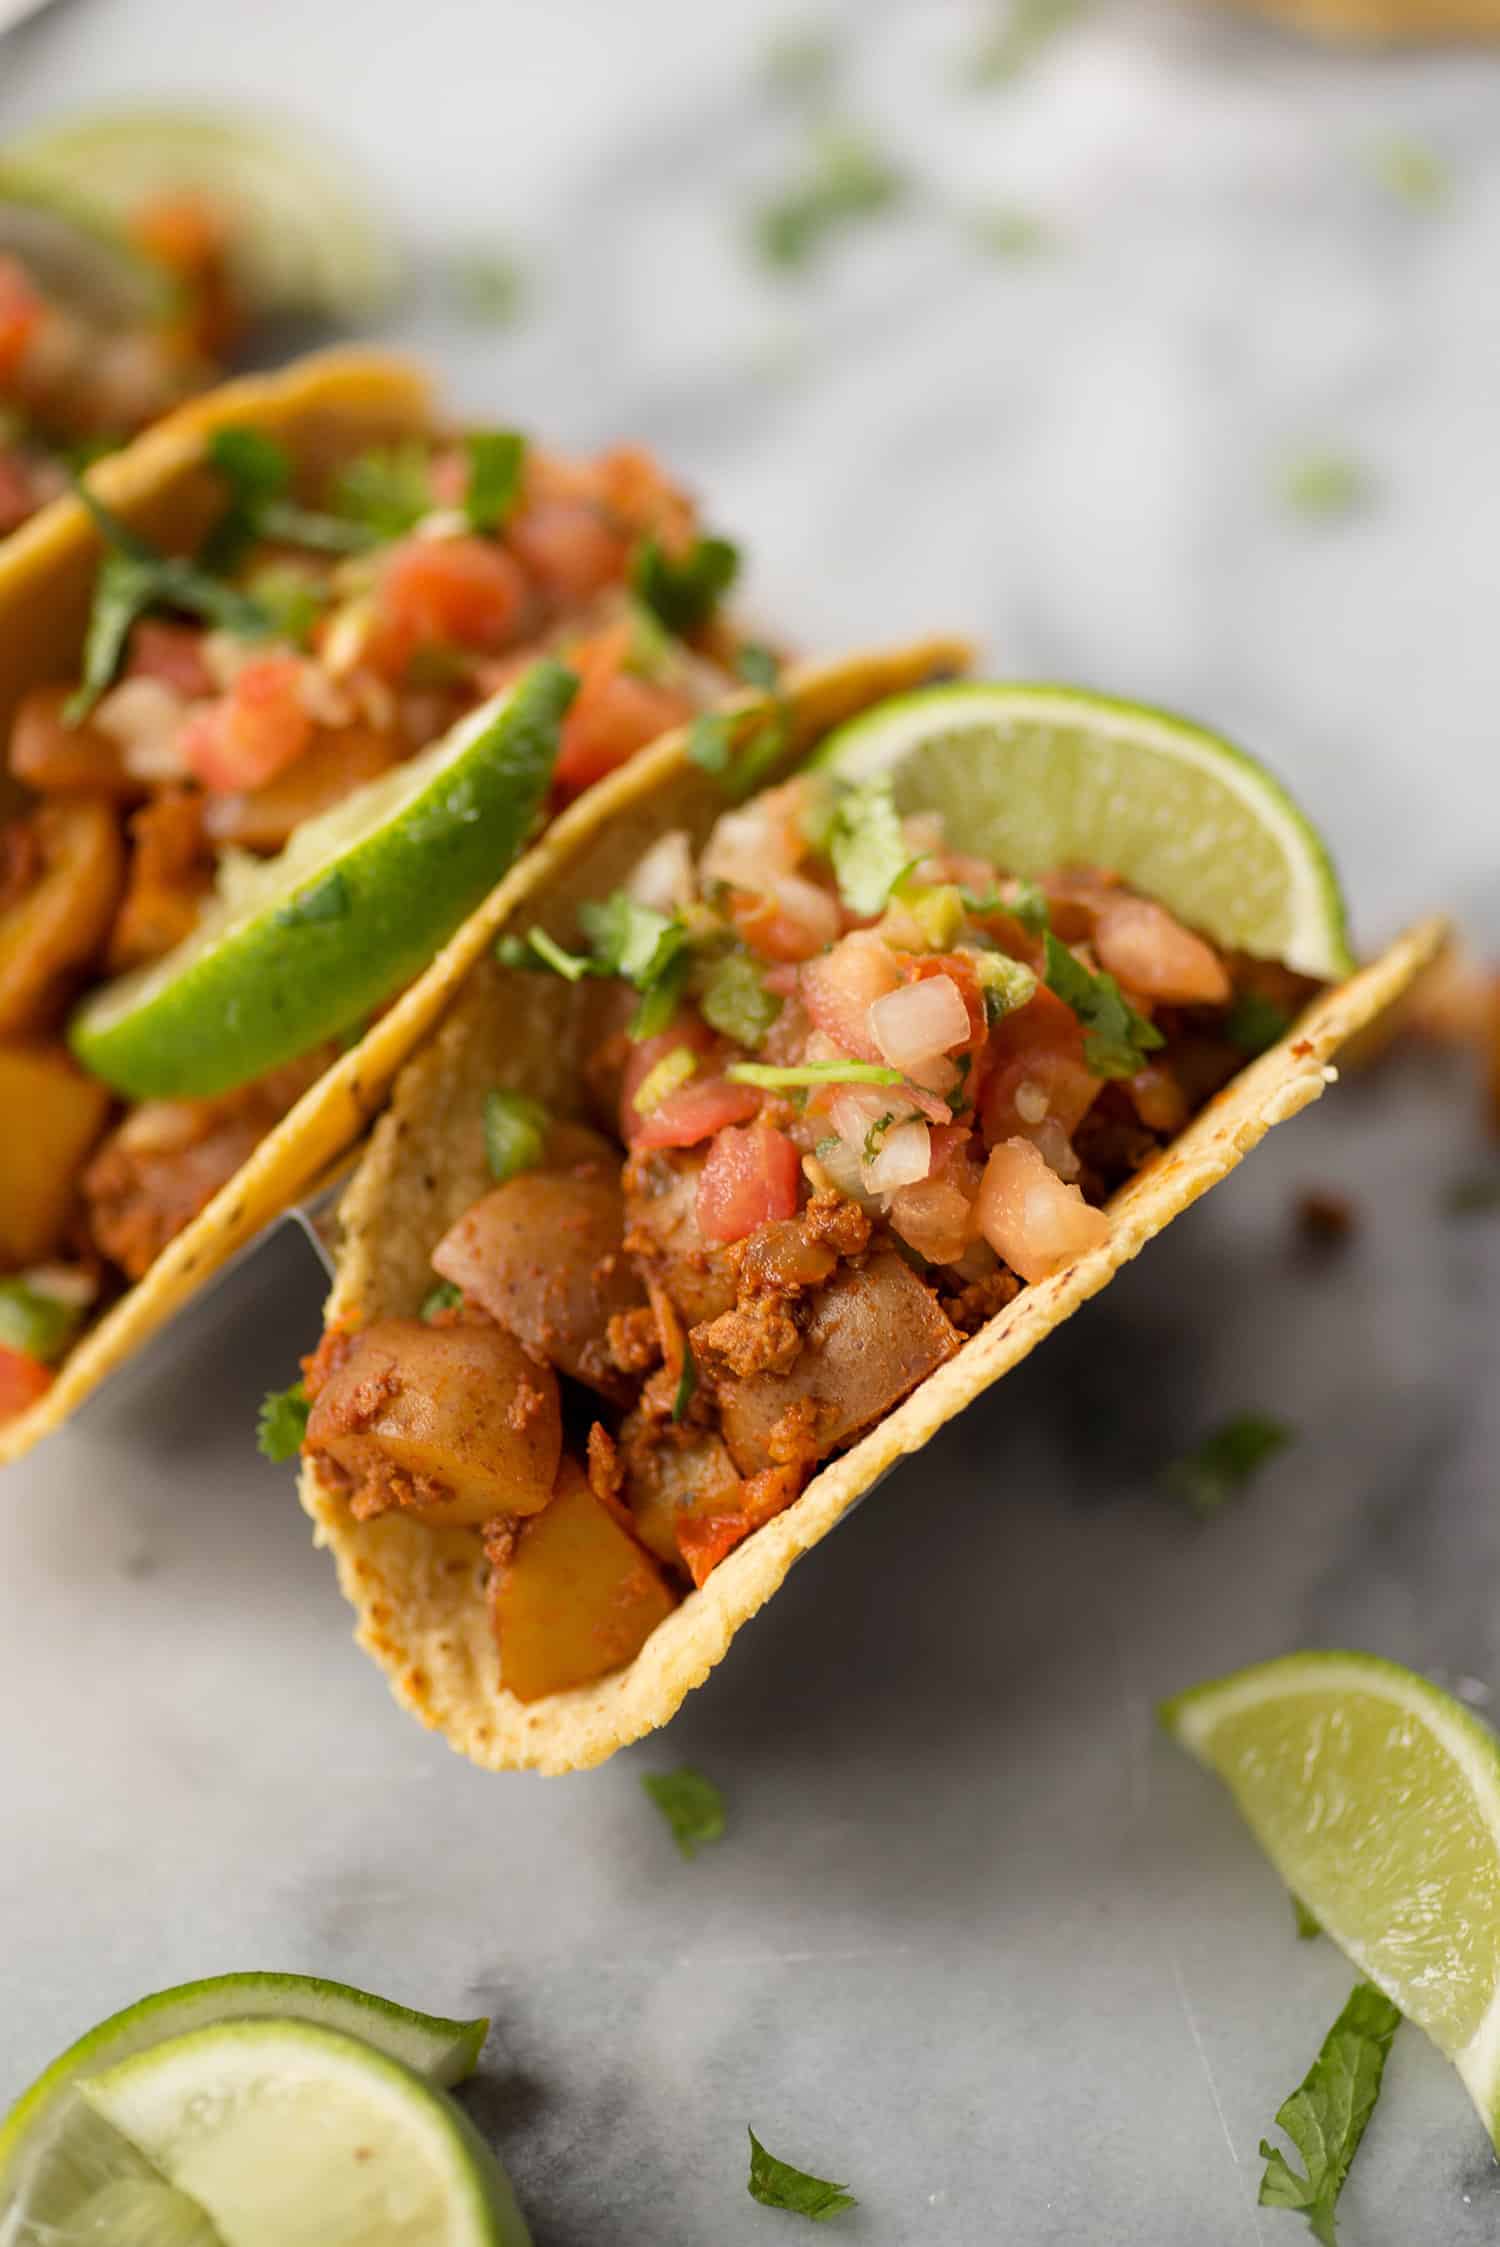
(76, 254)
(50, 2149)
(295, 948)
(1377, 1798)
(1038, 777)
(302, 240)
(279, 2133)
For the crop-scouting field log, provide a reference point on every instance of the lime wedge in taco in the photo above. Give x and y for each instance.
(284, 691)
(802, 1096)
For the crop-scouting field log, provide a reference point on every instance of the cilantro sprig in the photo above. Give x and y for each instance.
(848, 178)
(386, 490)
(682, 591)
(1326, 2115)
(867, 846)
(1116, 1039)
(777, 2184)
(515, 1133)
(282, 1423)
(497, 460)
(627, 939)
(1206, 1478)
(692, 1805)
(258, 473)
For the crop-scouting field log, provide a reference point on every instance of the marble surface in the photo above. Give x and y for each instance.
(978, 1940)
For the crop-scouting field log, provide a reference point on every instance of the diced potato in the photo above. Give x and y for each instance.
(874, 1333)
(50, 1116)
(59, 921)
(577, 1596)
(455, 1422)
(686, 1476)
(57, 759)
(543, 1254)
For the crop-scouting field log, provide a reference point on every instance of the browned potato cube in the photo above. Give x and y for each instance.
(50, 1116)
(57, 923)
(576, 1598)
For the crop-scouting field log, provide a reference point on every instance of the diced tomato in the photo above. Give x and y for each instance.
(254, 731)
(172, 653)
(839, 988)
(1031, 1219)
(454, 592)
(1155, 956)
(693, 1113)
(750, 1177)
(1040, 1045)
(22, 1380)
(635, 490)
(21, 311)
(568, 549)
(791, 922)
(613, 714)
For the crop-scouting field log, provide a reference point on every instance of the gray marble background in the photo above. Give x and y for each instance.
(978, 1940)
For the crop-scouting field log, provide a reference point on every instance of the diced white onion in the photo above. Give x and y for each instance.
(62, 1283)
(919, 1021)
(442, 522)
(664, 877)
(855, 1110)
(812, 909)
(903, 1155)
(1055, 1148)
(747, 850)
(324, 700)
(144, 716)
(1031, 1100)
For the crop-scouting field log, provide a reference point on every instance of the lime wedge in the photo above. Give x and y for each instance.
(1038, 777)
(53, 2150)
(277, 2133)
(77, 254)
(302, 240)
(1377, 1798)
(295, 948)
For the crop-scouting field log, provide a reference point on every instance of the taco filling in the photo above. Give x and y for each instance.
(334, 624)
(851, 1090)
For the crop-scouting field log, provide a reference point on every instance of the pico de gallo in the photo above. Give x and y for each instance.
(325, 634)
(853, 1089)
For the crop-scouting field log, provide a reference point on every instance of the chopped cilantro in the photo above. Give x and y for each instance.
(645, 948)
(875, 1136)
(759, 754)
(258, 472)
(758, 665)
(37, 1324)
(387, 490)
(687, 1383)
(1308, 1928)
(683, 591)
(848, 179)
(511, 951)
(496, 460)
(1029, 906)
(325, 900)
(663, 1078)
(733, 999)
(488, 287)
(1473, 1197)
(799, 64)
(292, 598)
(1208, 1477)
(867, 846)
(1116, 1039)
(692, 1806)
(776, 2184)
(1255, 1022)
(1325, 2117)
(711, 742)
(1019, 32)
(810, 1073)
(1411, 171)
(1007, 231)
(282, 1423)
(515, 1133)
(444, 1297)
(653, 652)
(1325, 484)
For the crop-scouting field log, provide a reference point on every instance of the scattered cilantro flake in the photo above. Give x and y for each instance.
(733, 999)
(628, 938)
(1006, 230)
(515, 1134)
(443, 1297)
(875, 1136)
(325, 900)
(496, 460)
(1207, 1478)
(282, 1423)
(37, 1324)
(758, 665)
(1116, 1039)
(692, 1805)
(867, 846)
(653, 651)
(760, 752)
(663, 1079)
(711, 742)
(258, 472)
(1308, 1928)
(1029, 906)
(800, 63)
(387, 489)
(682, 591)
(1324, 485)
(536, 944)
(1255, 1022)
(1018, 33)
(1325, 2117)
(1478, 1196)
(292, 598)
(810, 1073)
(687, 1383)
(847, 179)
(488, 287)
(776, 2184)
(1411, 171)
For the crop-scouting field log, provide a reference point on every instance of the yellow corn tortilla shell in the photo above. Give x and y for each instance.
(419, 1591)
(1386, 22)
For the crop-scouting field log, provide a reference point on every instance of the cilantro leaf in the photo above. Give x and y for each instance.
(1029, 906)
(758, 665)
(386, 490)
(1020, 32)
(683, 592)
(488, 287)
(496, 460)
(692, 1805)
(1255, 1022)
(515, 1134)
(282, 1423)
(849, 178)
(443, 1297)
(1325, 2117)
(1207, 1478)
(867, 846)
(1473, 1197)
(687, 1383)
(734, 999)
(1116, 1039)
(258, 472)
(776, 2184)
(646, 948)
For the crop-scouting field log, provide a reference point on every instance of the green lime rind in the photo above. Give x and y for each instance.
(1377, 1798)
(297, 948)
(291, 2131)
(1036, 777)
(303, 240)
(77, 254)
(444, 2051)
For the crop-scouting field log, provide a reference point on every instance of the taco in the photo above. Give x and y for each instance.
(283, 692)
(775, 1129)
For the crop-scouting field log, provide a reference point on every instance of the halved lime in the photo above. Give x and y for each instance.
(1377, 1798)
(293, 949)
(302, 240)
(77, 254)
(1038, 777)
(53, 2149)
(279, 2133)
